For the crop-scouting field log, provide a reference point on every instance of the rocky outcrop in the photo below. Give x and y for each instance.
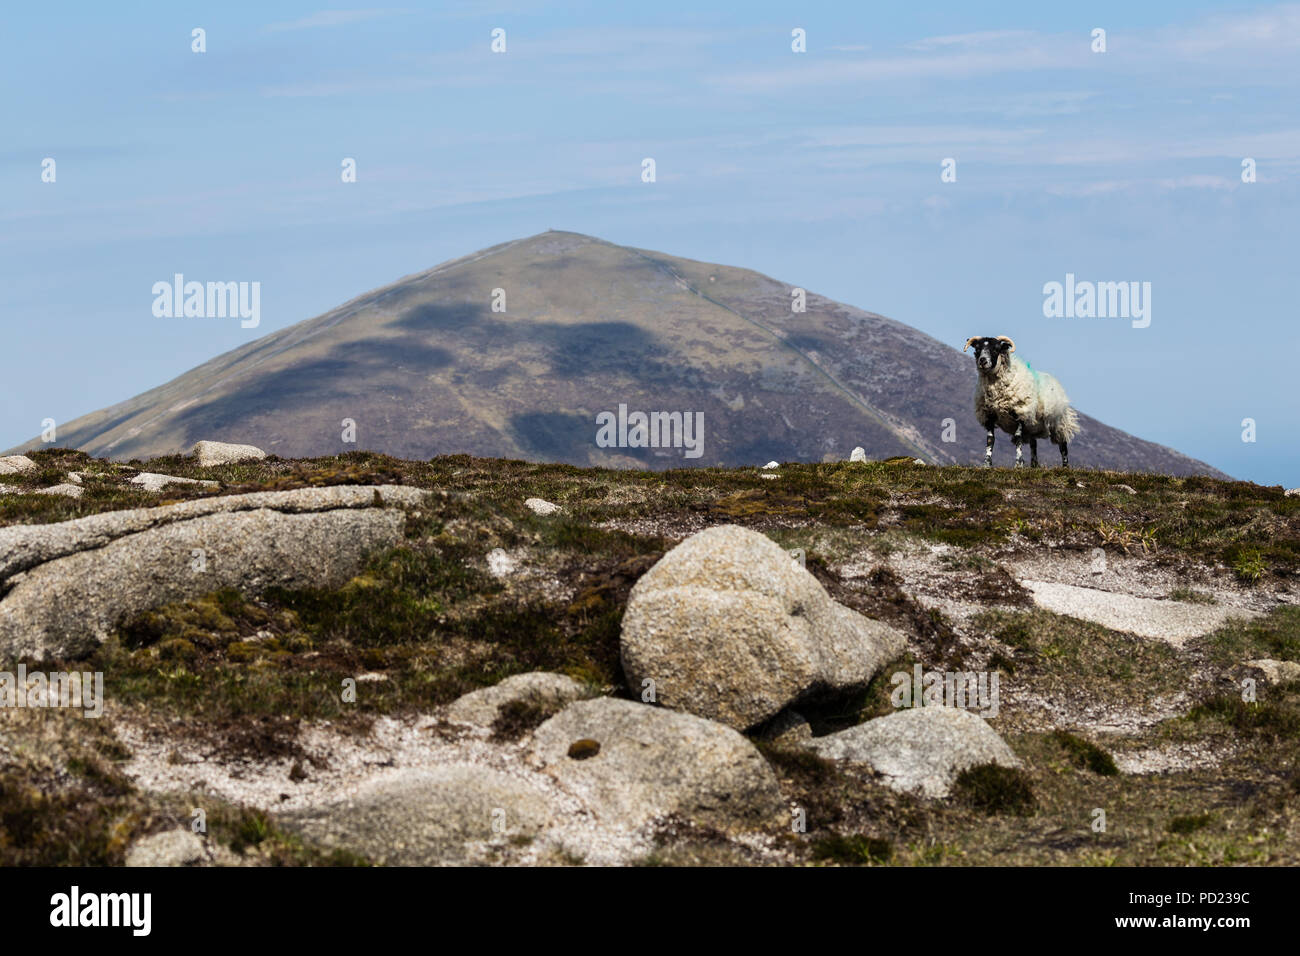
(1170, 621)
(221, 453)
(729, 627)
(64, 490)
(481, 708)
(631, 763)
(1276, 672)
(445, 815)
(66, 586)
(154, 482)
(178, 847)
(25, 546)
(920, 749)
(16, 465)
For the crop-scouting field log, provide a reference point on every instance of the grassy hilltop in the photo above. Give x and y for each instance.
(1153, 732)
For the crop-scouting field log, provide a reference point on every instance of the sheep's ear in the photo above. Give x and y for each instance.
(969, 342)
(1011, 346)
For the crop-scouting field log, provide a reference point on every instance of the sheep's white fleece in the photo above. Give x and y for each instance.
(1015, 393)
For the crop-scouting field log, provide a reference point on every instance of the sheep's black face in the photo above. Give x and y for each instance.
(988, 351)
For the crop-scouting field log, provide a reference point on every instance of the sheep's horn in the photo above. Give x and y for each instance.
(969, 342)
(1003, 338)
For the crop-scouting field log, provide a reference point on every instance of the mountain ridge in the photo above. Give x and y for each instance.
(589, 324)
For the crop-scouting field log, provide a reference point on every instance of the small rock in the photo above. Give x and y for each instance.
(632, 762)
(919, 749)
(500, 564)
(730, 628)
(154, 482)
(772, 464)
(770, 477)
(918, 461)
(220, 453)
(1277, 672)
(17, 464)
(482, 707)
(1291, 492)
(1130, 490)
(74, 477)
(66, 490)
(858, 454)
(541, 506)
(177, 847)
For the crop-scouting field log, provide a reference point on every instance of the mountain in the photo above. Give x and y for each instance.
(426, 366)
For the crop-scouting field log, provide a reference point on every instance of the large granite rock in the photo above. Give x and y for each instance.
(729, 627)
(69, 584)
(631, 763)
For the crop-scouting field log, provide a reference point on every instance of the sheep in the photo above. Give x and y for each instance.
(1022, 401)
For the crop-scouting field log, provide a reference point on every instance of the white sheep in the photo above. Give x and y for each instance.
(1022, 401)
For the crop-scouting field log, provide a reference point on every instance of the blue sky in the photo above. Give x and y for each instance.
(821, 169)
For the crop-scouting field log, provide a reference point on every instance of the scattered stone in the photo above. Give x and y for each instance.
(1170, 621)
(919, 749)
(729, 627)
(918, 461)
(178, 847)
(221, 453)
(1292, 492)
(500, 564)
(1129, 489)
(858, 454)
(541, 506)
(67, 490)
(65, 606)
(482, 707)
(74, 477)
(630, 763)
(772, 464)
(18, 464)
(444, 815)
(1277, 672)
(155, 482)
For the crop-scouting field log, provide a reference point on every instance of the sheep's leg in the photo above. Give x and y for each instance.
(988, 447)
(1033, 453)
(1065, 455)
(1020, 451)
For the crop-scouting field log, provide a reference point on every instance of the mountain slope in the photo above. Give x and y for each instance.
(425, 366)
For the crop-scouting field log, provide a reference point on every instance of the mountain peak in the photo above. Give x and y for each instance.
(516, 350)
